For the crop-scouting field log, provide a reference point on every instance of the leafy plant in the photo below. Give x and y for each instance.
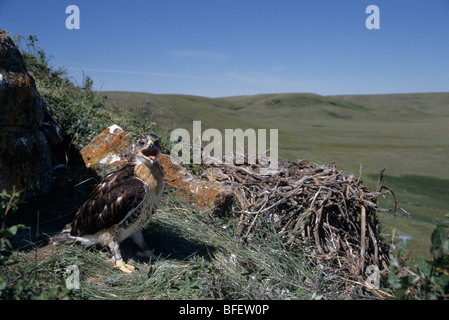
(8, 203)
(12, 285)
(430, 280)
(435, 273)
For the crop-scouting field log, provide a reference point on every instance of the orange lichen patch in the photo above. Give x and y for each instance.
(23, 85)
(110, 147)
(202, 194)
(4, 37)
(24, 81)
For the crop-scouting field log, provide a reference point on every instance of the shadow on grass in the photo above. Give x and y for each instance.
(169, 242)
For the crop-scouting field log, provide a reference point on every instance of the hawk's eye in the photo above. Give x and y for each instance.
(141, 143)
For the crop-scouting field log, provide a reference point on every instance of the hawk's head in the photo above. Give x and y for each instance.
(147, 149)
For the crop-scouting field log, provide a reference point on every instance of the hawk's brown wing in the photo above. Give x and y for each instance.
(117, 194)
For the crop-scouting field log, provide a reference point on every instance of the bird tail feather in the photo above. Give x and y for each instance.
(62, 237)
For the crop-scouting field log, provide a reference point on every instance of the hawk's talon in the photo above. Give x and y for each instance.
(122, 266)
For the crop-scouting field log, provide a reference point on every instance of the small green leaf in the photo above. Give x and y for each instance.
(13, 230)
(446, 246)
(8, 232)
(2, 284)
(438, 236)
(424, 269)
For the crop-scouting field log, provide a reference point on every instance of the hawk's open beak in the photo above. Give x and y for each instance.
(151, 151)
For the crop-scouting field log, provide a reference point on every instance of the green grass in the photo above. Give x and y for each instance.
(201, 261)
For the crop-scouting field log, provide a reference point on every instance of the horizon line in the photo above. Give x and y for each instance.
(280, 93)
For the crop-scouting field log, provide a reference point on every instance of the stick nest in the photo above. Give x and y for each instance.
(314, 208)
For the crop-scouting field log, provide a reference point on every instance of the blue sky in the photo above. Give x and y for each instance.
(219, 48)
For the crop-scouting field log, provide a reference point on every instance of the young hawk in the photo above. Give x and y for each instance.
(121, 204)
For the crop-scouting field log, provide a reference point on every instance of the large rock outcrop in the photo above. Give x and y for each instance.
(28, 127)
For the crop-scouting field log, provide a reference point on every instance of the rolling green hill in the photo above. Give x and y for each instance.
(405, 133)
